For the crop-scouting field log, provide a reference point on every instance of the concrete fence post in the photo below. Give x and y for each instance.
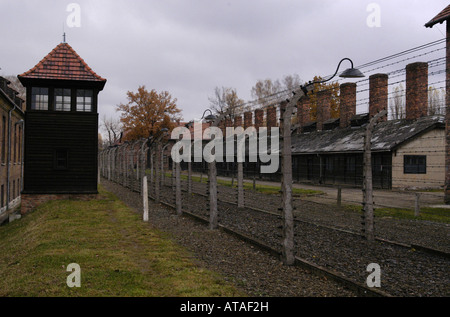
(339, 196)
(240, 182)
(138, 158)
(178, 189)
(145, 197)
(114, 165)
(108, 163)
(189, 189)
(163, 174)
(142, 161)
(157, 181)
(368, 217)
(417, 205)
(173, 176)
(152, 167)
(213, 211)
(288, 253)
(124, 165)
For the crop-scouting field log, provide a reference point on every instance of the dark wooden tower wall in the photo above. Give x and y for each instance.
(52, 137)
(61, 133)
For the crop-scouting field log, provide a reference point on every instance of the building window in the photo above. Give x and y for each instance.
(4, 140)
(19, 144)
(61, 159)
(62, 99)
(14, 159)
(415, 164)
(84, 100)
(329, 166)
(39, 98)
(3, 196)
(351, 164)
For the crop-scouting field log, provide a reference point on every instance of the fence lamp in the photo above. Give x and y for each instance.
(351, 72)
(210, 117)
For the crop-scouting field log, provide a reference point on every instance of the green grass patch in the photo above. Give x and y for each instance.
(426, 213)
(118, 253)
(265, 189)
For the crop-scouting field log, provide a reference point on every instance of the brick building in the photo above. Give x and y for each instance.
(406, 153)
(11, 147)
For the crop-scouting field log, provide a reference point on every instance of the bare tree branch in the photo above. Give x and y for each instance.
(113, 129)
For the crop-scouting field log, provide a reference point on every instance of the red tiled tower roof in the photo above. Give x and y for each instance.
(440, 18)
(62, 63)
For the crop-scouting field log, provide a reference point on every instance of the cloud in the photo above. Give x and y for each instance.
(188, 47)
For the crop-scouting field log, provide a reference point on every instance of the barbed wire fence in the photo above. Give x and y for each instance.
(145, 165)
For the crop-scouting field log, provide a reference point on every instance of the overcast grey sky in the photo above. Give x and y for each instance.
(188, 47)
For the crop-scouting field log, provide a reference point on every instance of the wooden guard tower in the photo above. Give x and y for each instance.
(61, 125)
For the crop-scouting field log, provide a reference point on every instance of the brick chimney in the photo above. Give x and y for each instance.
(238, 121)
(347, 104)
(416, 90)
(323, 108)
(221, 125)
(228, 122)
(259, 118)
(303, 111)
(248, 119)
(271, 115)
(378, 94)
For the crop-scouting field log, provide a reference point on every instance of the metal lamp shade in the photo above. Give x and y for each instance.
(351, 73)
(210, 118)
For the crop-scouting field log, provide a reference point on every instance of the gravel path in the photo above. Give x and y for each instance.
(255, 272)
(405, 272)
(429, 234)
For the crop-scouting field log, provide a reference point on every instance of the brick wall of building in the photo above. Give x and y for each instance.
(10, 188)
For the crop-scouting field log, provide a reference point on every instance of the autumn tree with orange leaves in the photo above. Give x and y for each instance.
(147, 112)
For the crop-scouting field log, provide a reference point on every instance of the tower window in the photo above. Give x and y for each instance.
(62, 99)
(61, 159)
(84, 100)
(39, 98)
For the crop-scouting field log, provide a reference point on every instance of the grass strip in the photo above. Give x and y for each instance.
(119, 255)
(265, 189)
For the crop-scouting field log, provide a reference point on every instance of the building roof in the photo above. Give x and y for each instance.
(386, 136)
(62, 63)
(10, 94)
(440, 18)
